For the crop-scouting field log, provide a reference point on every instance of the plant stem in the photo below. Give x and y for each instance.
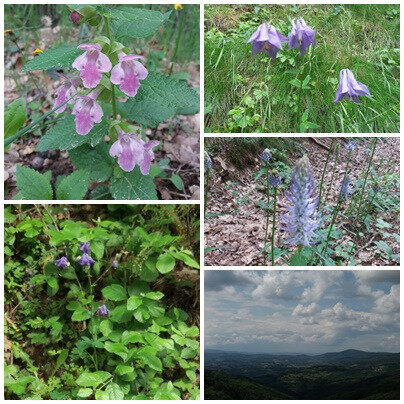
(273, 229)
(324, 170)
(177, 41)
(267, 212)
(206, 189)
(113, 98)
(333, 172)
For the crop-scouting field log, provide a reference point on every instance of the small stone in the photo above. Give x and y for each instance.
(37, 162)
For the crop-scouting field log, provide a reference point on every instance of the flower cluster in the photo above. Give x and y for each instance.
(266, 155)
(130, 149)
(301, 221)
(350, 88)
(347, 188)
(207, 161)
(85, 260)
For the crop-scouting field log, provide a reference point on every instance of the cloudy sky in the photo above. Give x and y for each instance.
(313, 311)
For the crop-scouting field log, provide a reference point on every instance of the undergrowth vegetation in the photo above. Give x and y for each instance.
(245, 93)
(101, 302)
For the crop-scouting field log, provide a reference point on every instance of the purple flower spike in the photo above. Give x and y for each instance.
(85, 247)
(86, 260)
(127, 74)
(267, 39)
(103, 311)
(87, 112)
(91, 64)
(350, 146)
(347, 188)
(62, 262)
(275, 180)
(266, 155)
(65, 91)
(301, 36)
(350, 88)
(131, 150)
(207, 161)
(115, 264)
(301, 220)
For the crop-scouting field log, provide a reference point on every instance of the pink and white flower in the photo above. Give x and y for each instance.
(65, 91)
(91, 64)
(128, 73)
(131, 150)
(88, 112)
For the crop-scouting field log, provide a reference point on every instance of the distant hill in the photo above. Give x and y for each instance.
(350, 374)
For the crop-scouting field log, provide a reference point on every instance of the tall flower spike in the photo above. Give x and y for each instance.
(66, 90)
(301, 220)
(350, 88)
(267, 39)
(347, 188)
(127, 74)
(266, 155)
(88, 112)
(207, 161)
(131, 150)
(301, 36)
(91, 64)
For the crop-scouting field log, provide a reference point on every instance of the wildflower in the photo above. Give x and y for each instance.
(266, 155)
(177, 6)
(65, 91)
(127, 74)
(62, 262)
(275, 180)
(347, 188)
(115, 264)
(301, 36)
(91, 64)
(37, 51)
(8, 32)
(75, 17)
(267, 39)
(87, 112)
(85, 247)
(86, 260)
(103, 311)
(207, 161)
(131, 150)
(351, 146)
(301, 220)
(350, 88)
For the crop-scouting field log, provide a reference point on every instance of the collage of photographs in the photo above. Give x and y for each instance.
(160, 175)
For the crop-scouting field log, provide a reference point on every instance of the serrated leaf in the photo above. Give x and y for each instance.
(88, 379)
(152, 361)
(15, 117)
(159, 98)
(124, 369)
(133, 185)
(115, 392)
(81, 315)
(85, 392)
(60, 56)
(96, 160)
(105, 327)
(101, 395)
(117, 348)
(134, 302)
(165, 263)
(74, 186)
(115, 293)
(63, 135)
(34, 185)
(135, 22)
(120, 314)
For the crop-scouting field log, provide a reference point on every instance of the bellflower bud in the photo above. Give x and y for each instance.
(62, 262)
(266, 155)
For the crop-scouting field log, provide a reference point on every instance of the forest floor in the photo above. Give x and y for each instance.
(235, 222)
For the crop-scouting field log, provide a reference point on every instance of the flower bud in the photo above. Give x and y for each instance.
(75, 17)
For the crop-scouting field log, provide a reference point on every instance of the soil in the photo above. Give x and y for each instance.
(235, 224)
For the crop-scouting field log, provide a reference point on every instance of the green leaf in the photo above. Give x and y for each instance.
(105, 327)
(133, 185)
(124, 369)
(154, 295)
(61, 360)
(85, 392)
(74, 186)
(117, 348)
(34, 185)
(63, 135)
(120, 314)
(60, 56)
(177, 181)
(135, 22)
(115, 392)
(81, 315)
(15, 117)
(88, 379)
(188, 353)
(296, 83)
(101, 395)
(96, 161)
(298, 259)
(165, 263)
(134, 302)
(115, 293)
(152, 361)
(159, 98)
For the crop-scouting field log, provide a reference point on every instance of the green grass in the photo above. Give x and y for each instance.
(245, 93)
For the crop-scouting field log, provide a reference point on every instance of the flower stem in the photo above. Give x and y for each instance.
(273, 229)
(333, 172)
(206, 189)
(324, 170)
(177, 41)
(113, 98)
(267, 213)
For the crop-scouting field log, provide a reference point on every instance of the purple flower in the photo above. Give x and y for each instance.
(350, 88)
(127, 74)
(301, 220)
(75, 17)
(65, 91)
(301, 36)
(275, 180)
(85, 247)
(115, 264)
(131, 150)
(86, 260)
(207, 161)
(103, 311)
(62, 262)
(91, 64)
(347, 188)
(351, 146)
(87, 112)
(267, 39)
(266, 155)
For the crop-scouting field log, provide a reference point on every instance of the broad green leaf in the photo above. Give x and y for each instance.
(101, 395)
(298, 259)
(149, 271)
(188, 353)
(84, 392)
(124, 369)
(15, 117)
(133, 185)
(105, 327)
(134, 302)
(96, 160)
(117, 348)
(115, 293)
(63, 135)
(81, 315)
(192, 331)
(152, 361)
(191, 374)
(120, 314)
(52, 282)
(74, 186)
(34, 185)
(60, 56)
(131, 337)
(177, 181)
(155, 295)
(88, 379)
(115, 391)
(135, 22)
(159, 98)
(165, 263)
